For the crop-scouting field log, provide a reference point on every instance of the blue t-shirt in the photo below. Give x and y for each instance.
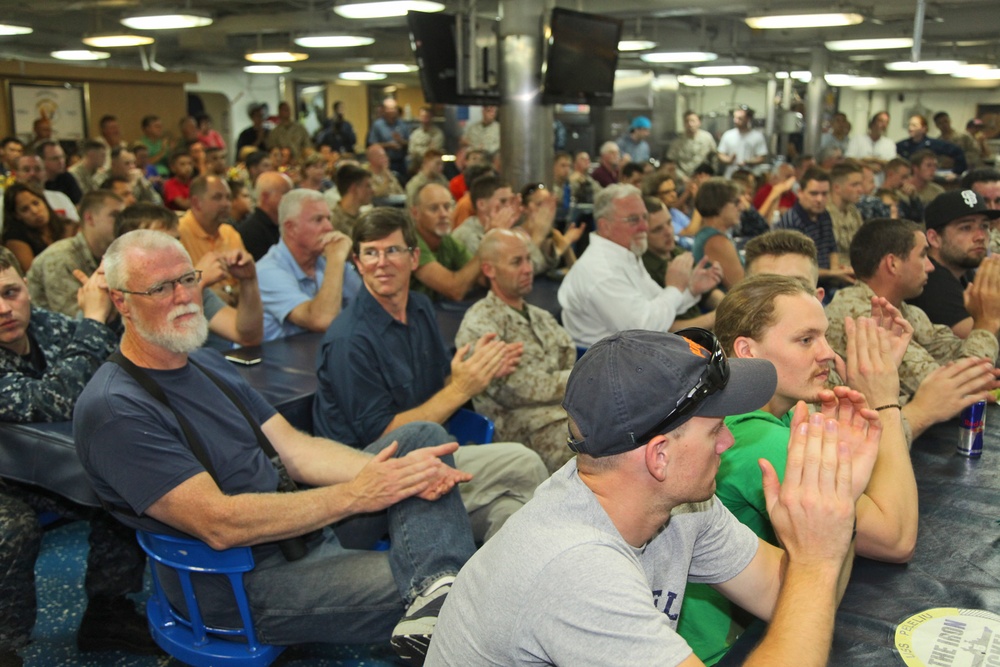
(382, 132)
(134, 450)
(680, 221)
(372, 367)
(284, 285)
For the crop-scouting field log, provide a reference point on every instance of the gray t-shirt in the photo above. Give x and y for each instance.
(559, 586)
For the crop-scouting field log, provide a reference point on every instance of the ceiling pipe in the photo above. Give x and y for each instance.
(918, 29)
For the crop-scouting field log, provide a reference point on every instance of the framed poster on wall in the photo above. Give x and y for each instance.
(64, 105)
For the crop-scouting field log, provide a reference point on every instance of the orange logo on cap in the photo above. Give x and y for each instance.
(697, 349)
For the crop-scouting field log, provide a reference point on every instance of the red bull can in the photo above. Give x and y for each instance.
(970, 432)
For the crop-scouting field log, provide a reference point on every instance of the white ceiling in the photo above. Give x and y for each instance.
(954, 29)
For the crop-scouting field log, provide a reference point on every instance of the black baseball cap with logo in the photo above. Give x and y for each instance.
(950, 206)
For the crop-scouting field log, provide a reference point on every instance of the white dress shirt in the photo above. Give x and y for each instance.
(608, 290)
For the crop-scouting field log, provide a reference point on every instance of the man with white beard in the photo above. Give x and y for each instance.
(219, 478)
(609, 290)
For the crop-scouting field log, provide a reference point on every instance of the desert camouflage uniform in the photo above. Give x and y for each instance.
(995, 241)
(50, 279)
(932, 344)
(526, 406)
(845, 225)
(73, 350)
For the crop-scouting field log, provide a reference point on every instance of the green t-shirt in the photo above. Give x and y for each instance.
(451, 254)
(154, 147)
(708, 621)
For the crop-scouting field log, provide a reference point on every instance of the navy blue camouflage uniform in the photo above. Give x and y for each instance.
(43, 386)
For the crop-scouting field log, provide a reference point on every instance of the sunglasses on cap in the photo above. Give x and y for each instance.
(713, 379)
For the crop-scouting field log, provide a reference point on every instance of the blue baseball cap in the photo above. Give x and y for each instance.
(640, 123)
(626, 383)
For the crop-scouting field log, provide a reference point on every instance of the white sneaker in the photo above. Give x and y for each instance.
(412, 635)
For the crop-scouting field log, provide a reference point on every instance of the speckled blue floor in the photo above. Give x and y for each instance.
(61, 599)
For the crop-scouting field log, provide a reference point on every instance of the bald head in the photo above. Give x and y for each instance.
(271, 187)
(506, 261)
(499, 242)
(377, 157)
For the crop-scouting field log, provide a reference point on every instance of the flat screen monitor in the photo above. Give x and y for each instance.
(432, 37)
(581, 58)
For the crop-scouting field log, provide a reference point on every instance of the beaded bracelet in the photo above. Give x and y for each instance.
(890, 405)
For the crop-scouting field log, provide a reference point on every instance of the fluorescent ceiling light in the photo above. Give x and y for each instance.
(80, 54)
(967, 70)
(276, 56)
(870, 44)
(724, 70)
(116, 40)
(947, 68)
(387, 9)
(922, 65)
(267, 69)
(333, 41)
(848, 80)
(799, 75)
(7, 29)
(362, 76)
(679, 57)
(635, 45)
(802, 21)
(978, 72)
(167, 20)
(702, 82)
(391, 68)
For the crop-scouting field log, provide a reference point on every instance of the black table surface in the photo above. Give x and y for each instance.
(956, 562)
(44, 454)
(957, 559)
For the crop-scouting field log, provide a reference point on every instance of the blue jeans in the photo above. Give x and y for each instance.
(342, 595)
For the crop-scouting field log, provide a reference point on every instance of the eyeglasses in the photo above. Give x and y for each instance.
(666, 192)
(393, 253)
(188, 281)
(713, 379)
(634, 220)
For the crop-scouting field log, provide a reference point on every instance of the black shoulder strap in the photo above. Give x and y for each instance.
(262, 440)
(291, 548)
(149, 384)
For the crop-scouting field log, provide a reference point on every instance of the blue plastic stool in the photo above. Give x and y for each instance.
(470, 427)
(189, 639)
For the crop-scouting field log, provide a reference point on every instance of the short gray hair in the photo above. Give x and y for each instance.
(292, 203)
(115, 270)
(609, 146)
(606, 198)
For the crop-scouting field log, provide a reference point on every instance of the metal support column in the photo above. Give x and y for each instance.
(770, 122)
(814, 103)
(525, 125)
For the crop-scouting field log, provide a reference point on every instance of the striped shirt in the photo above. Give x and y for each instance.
(819, 230)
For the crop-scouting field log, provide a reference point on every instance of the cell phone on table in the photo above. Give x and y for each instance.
(247, 356)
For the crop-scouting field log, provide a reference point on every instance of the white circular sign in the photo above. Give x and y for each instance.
(950, 637)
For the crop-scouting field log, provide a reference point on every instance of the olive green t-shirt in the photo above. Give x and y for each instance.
(451, 254)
